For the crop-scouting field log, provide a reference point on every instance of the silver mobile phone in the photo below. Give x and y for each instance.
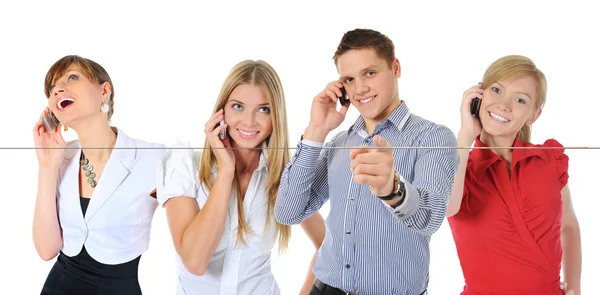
(50, 121)
(223, 132)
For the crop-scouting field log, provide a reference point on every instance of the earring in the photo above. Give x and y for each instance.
(104, 108)
(65, 128)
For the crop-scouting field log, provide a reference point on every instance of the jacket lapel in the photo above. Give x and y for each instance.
(117, 168)
(69, 183)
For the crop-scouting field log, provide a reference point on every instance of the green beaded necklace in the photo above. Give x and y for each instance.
(84, 162)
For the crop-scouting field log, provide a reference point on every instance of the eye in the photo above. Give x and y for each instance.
(348, 80)
(264, 110)
(495, 89)
(521, 100)
(237, 106)
(370, 73)
(73, 77)
(51, 88)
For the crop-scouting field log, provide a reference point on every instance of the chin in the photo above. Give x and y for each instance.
(370, 113)
(246, 143)
(500, 132)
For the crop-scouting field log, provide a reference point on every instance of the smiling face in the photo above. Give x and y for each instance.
(74, 96)
(371, 83)
(508, 105)
(76, 87)
(248, 116)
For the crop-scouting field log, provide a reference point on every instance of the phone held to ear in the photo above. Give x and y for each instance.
(50, 121)
(344, 98)
(223, 132)
(475, 105)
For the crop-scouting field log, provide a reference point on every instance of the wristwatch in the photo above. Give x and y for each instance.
(398, 190)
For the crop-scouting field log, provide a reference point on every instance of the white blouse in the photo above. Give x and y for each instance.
(232, 270)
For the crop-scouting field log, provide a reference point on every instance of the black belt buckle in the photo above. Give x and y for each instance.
(323, 288)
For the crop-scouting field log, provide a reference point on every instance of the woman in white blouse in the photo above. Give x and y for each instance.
(93, 206)
(220, 202)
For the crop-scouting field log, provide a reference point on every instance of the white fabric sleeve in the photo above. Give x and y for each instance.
(177, 175)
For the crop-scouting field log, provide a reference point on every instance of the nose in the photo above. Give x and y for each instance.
(506, 103)
(249, 119)
(58, 88)
(360, 87)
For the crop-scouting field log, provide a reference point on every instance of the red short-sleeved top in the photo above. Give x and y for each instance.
(507, 231)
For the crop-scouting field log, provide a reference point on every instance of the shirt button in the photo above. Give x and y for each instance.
(347, 233)
(347, 265)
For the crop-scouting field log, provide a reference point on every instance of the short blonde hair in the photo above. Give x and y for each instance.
(514, 66)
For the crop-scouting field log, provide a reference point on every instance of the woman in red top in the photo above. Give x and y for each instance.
(510, 210)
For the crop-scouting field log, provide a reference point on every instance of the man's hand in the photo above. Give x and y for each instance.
(374, 166)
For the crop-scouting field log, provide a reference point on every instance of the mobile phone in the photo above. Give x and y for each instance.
(50, 121)
(475, 105)
(223, 132)
(344, 98)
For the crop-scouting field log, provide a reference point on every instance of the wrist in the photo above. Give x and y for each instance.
(227, 173)
(315, 133)
(48, 169)
(465, 138)
(397, 190)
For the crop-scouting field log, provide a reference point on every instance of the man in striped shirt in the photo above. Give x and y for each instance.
(386, 203)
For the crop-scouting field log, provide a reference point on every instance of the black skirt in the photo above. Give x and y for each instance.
(82, 275)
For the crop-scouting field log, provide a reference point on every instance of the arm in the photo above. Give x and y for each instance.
(314, 227)
(47, 234)
(424, 206)
(458, 188)
(196, 221)
(303, 189)
(571, 242)
(196, 233)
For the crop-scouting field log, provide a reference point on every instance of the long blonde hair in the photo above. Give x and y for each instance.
(257, 73)
(513, 66)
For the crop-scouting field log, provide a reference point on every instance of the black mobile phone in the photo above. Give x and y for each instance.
(344, 98)
(475, 105)
(50, 121)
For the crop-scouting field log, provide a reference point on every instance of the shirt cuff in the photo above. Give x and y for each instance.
(409, 204)
(307, 154)
(312, 143)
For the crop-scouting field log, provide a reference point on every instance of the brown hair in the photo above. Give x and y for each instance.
(275, 146)
(513, 66)
(366, 38)
(92, 70)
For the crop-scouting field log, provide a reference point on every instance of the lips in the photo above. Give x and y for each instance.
(64, 103)
(248, 134)
(498, 118)
(366, 99)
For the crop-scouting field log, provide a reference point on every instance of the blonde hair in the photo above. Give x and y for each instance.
(258, 73)
(513, 66)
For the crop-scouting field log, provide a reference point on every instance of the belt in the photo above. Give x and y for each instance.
(329, 290)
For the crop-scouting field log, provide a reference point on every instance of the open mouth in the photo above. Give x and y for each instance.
(498, 118)
(367, 100)
(248, 134)
(65, 102)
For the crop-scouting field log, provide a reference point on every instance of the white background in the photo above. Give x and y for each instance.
(168, 61)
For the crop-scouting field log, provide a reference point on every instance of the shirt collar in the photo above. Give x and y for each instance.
(482, 159)
(396, 118)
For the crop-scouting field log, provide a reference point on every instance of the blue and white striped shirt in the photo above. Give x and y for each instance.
(370, 247)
